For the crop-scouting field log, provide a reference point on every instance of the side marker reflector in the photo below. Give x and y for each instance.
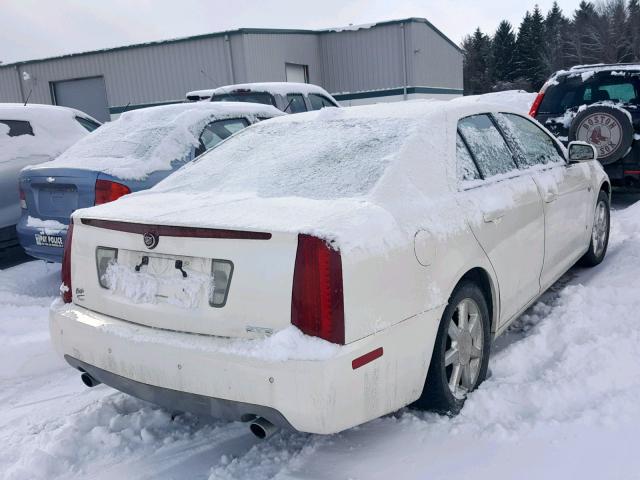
(367, 358)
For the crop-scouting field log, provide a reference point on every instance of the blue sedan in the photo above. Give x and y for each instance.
(132, 153)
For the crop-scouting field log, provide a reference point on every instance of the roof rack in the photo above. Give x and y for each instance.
(601, 65)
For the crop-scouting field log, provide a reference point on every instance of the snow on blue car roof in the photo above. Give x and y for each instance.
(144, 141)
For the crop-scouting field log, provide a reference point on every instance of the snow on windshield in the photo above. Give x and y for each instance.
(318, 159)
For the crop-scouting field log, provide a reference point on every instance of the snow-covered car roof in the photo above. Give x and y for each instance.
(54, 128)
(516, 99)
(330, 173)
(280, 88)
(587, 71)
(606, 66)
(39, 112)
(147, 140)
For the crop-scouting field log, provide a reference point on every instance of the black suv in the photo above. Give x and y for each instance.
(599, 104)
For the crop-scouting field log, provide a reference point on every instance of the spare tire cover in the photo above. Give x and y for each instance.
(607, 128)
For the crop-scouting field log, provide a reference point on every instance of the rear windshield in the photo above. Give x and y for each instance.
(573, 91)
(17, 127)
(313, 159)
(252, 97)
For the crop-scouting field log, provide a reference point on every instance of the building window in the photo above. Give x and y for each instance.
(295, 72)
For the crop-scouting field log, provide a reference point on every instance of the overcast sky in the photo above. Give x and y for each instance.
(32, 29)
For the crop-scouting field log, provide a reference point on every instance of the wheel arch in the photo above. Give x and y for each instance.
(605, 186)
(484, 281)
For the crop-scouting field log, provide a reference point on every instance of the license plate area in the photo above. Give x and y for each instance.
(140, 277)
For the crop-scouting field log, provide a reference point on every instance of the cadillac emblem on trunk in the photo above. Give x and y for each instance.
(150, 240)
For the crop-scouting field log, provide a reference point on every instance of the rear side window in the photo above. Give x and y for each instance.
(487, 145)
(18, 127)
(90, 125)
(217, 131)
(319, 101)
(295, 103)
(536, 147)
(466, 167)
(253, 97)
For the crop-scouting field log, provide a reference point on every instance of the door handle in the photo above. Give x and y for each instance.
(493, 216)
(550, 197)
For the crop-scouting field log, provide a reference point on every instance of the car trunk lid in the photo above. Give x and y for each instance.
(197, 280)
(53, 193)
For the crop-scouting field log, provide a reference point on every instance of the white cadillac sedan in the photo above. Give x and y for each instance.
(320, 270)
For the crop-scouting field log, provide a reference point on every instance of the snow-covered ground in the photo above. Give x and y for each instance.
(563, 402)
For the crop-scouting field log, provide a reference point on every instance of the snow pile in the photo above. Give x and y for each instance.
(142, 287)
(143, 141)
(516, 99)
(287, 344)
(54, 130)
(50, 227)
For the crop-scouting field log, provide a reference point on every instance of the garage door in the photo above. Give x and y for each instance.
(88, 95)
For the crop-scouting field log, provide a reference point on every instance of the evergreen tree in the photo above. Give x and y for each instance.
(477, 51)
(502, 49)
(584, 47)
(530, 49)
(556, 27)
(633, 30)
(605, 32)
(610, 32)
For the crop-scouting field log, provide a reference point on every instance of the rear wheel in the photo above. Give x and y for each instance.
(599, 232)
(461, 354)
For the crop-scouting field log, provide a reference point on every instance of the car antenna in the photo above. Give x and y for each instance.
(208, 77)
(288, 105)
(28, 97)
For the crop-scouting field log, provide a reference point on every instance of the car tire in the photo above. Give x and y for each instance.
(599, 232)
(593, 124)
(473, 348)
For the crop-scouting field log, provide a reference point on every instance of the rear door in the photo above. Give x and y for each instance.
(504, 210)
(565, 190)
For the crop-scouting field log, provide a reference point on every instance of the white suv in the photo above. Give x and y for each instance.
(289, 97)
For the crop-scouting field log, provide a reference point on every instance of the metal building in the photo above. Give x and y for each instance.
(386, 61)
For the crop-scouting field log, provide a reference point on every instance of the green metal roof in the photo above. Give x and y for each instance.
(257, 31)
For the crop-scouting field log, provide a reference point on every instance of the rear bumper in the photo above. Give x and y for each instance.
(27, 238)
(8, 237)
(190, 372)
(176, 400)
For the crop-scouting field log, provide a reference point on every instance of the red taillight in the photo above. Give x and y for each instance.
(317, 305)
(536, 104)
(65, 288)
(23, 199)
(107, 191)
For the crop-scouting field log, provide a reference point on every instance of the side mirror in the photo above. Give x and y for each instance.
(582, 152)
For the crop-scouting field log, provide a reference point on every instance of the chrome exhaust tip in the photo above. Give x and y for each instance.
(88, 380)
(262, 428)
